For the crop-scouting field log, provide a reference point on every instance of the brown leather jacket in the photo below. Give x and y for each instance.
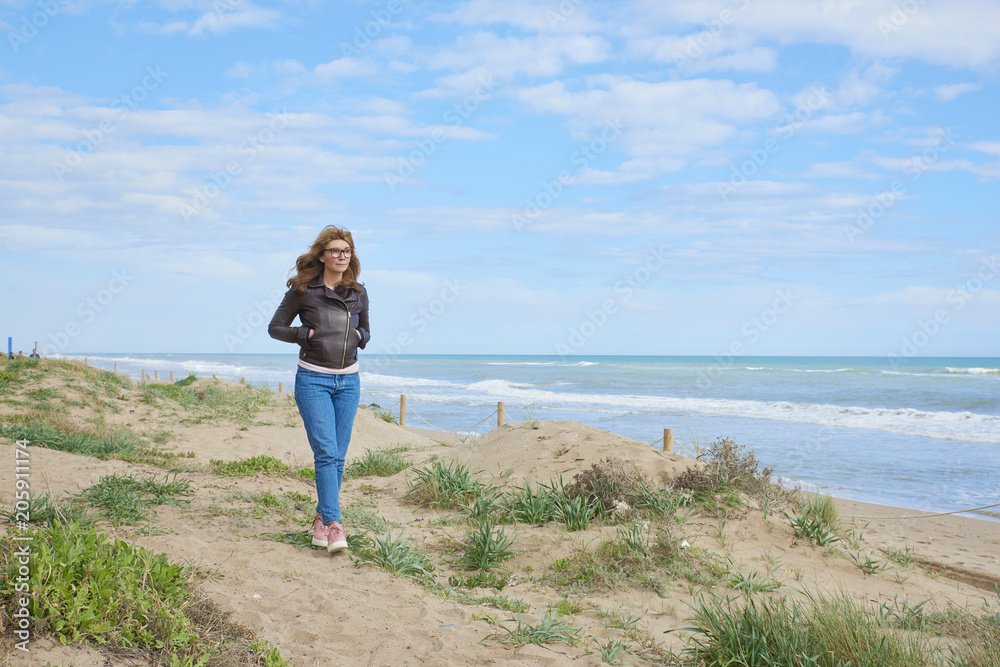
(338, 319)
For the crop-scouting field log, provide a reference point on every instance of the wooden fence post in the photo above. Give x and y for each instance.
(156, 375)
(668, 441)
(402, 409)
(500, 414)
(171, 377)
(281, 387)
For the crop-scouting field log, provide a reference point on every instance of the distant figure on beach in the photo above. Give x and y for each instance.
(34, 354)
(10, 355)
(20, 355)
(333, 310)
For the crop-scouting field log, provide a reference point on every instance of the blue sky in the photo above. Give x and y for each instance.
(737, 177)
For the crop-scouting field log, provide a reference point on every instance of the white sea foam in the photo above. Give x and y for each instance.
(966, 426)
(973, 371)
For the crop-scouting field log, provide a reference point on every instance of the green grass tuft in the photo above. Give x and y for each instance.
(377, 463)
(256, 465)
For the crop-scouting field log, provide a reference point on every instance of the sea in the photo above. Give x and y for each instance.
(920, 433)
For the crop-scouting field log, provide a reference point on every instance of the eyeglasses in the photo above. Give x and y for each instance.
(338, 252)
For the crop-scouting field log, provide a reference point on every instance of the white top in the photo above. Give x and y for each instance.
(353, 368)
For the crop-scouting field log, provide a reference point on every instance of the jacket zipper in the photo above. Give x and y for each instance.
(347, 331)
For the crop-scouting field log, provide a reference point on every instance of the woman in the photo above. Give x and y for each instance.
(333, 310)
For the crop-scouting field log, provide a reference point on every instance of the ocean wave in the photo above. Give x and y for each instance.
(754, 368)
(827, 370)
(964, 426)
(376, 380)
(973, 371)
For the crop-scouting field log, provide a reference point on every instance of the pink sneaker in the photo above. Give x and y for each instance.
(321, 533)
(337, 541)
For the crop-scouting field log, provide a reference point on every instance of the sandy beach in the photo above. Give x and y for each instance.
(322, 609)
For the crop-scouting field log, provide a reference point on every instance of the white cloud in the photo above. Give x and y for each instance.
(662, 124)
(343, 68)
(950, 92)
(927, 297)
(223, 20)
(959, 33)
(567, 16)
(506, 57)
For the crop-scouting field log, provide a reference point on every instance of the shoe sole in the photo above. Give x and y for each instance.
(336, 546)
(319, 543)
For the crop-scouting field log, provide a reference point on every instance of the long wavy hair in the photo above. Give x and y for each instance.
(308, 266)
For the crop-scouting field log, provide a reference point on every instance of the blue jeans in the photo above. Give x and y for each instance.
(328, 404)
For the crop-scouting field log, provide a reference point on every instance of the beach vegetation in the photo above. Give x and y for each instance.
(549, 630)
(128, 499)
(902, 557)
(727, 471)
(363, 518)
(377, 463)
(867, 564)
(481, 579)
(817, 521)
(386, 416)
(87, 587)
(531, 505)
(255, 465)
(43, 511)
(780, 631)
(53, 432)
(486, 547)
(576, 513)
(398, 555)
(209, 402)
(443, 485)
(568, 607)
(754, 582)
